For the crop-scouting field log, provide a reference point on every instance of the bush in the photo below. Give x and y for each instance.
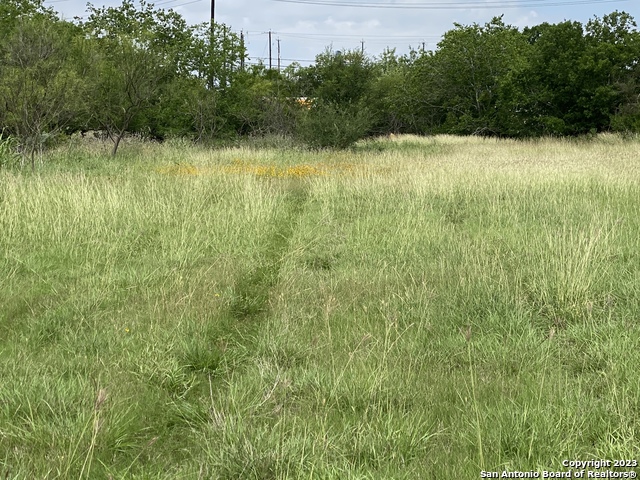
(627, 122)
(326, 125)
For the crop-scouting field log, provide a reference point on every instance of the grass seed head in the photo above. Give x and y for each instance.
(466, 333)
(101, 398)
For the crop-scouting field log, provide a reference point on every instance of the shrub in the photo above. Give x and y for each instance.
(326, 125)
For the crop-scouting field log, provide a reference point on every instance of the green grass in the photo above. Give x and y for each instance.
(424, 308)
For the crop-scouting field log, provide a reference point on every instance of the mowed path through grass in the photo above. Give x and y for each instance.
(414, 308)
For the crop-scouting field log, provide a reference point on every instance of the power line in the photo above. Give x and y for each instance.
(284, 59)
(187, 3)
(452, 5)
(374, 37)
(164, 2)
(386, 40)
(348, 41)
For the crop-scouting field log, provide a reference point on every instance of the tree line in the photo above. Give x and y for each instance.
(136, 69)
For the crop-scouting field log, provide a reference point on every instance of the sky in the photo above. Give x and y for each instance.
(305, 28)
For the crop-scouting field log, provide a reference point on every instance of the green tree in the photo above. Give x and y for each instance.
(265, 102)
(341, 78)
(216, 54)
(425, 93)
(39, 84)
(197, 99)
(338, 85)
(465, 73)
(571, 80)
(136, 54)
(549, 90)
(148, 60)
(125, 85)
(389, 97)
(165, 33)
(14, 11)
(614, 50)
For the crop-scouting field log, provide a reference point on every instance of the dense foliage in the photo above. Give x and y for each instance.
(135, 69)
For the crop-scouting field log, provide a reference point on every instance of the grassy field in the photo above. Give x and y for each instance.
(414, 308)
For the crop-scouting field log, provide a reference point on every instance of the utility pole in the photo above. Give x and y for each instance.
(362, 42)
(242, 50)
(278, 40)
(225, 54)
(211, 41)
(270, 57)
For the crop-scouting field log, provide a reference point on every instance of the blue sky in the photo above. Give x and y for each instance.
(306, 30)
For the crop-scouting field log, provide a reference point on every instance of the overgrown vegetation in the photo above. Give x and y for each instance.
(409, 308)
(136, 69)
(8, 155)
